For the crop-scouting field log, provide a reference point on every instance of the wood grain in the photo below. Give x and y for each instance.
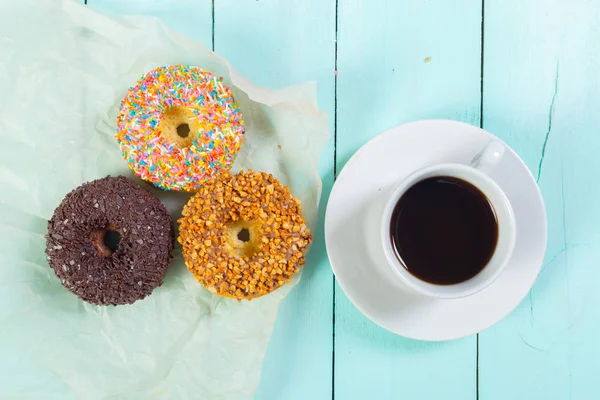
(275, 44)
(400, 61)
(541, 95)
(411, 59)
(192, 18)
(268, 43)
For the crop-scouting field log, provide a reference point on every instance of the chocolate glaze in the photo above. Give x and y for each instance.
(86, 266)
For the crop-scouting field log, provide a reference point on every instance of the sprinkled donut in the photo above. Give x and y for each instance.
(110, 241)
(243, 235)
(178, 127)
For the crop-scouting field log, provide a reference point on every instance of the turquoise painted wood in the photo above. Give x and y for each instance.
(192, 18)
(541, 94)
(401, 60)
(260, 40)
(275, 44)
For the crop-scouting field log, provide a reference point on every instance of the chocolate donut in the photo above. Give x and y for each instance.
(110, 241)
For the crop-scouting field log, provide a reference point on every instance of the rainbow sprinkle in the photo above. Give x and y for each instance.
(155, 159)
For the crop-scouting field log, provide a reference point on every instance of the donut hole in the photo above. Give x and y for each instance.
(106, 241)
(244, 235)
(179, 126)
(183, 130)
(244, 238)
(111, 240)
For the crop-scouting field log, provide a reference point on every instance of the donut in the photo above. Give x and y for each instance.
(110, 241)
(178, 127)
(243, 235)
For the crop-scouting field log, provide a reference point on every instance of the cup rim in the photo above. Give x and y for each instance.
(458, 290)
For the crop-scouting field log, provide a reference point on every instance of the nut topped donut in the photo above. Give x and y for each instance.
(110, 241)
(243, 235)
(178, 127)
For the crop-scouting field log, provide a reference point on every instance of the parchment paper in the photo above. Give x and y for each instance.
(63, 71)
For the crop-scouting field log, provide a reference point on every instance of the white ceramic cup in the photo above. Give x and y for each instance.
(477, 174)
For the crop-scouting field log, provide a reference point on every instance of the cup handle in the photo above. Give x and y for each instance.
(489, 156)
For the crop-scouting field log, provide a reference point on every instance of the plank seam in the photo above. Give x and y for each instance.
(481, 66)
(477, 371)
(481, 126)
(213, 24)
(335, 120)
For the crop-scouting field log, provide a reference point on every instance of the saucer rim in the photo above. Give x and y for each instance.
(537, 266)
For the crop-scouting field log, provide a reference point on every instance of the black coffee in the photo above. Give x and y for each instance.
(444, 230)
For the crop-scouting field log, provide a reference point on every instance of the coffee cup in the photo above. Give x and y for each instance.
(454, 192)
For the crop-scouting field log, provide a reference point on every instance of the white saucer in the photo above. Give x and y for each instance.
(383, 162)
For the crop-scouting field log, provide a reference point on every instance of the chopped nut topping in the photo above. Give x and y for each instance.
(253, 201)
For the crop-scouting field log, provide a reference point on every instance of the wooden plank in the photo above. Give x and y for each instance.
(260, 40)
(192, 18)
(276, 44)
(402, 60)
(541, 94)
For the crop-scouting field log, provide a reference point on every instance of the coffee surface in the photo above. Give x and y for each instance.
(444, 230)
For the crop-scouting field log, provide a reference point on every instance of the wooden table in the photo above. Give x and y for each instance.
(526, 70)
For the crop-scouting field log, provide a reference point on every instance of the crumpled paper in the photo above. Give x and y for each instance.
(63, 71)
